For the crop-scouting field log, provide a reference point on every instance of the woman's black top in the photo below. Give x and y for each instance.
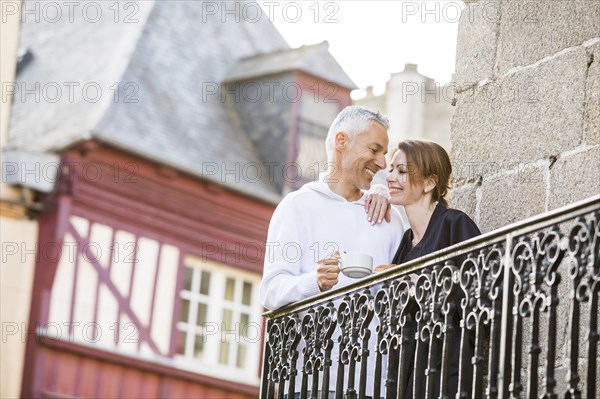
(446, 227)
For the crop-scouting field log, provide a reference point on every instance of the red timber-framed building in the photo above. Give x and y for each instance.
(151, 235)
(127, 258)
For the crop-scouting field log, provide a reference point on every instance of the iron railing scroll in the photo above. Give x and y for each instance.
(510, 314)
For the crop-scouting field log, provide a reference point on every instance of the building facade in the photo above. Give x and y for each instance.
(150, 182)
(416, 105)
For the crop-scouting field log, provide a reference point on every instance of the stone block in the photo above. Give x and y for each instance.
(592, 109)
(592, 121)
(476, 42)
(575, 177)
(464, 198)
(561, 374)
(564, 306)
(531, 115)
(532, 30)
(512, 197)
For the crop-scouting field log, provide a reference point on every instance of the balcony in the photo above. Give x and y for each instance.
(512, 313)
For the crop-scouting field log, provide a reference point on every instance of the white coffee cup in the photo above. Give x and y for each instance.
(356, 265)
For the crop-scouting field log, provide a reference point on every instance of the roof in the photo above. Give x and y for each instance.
(315, 59)
(153, 77)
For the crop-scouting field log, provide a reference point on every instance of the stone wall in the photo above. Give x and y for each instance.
(526, 129)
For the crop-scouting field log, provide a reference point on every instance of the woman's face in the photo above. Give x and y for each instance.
(402, 192)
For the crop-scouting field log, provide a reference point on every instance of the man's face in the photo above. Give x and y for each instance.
(365, 156)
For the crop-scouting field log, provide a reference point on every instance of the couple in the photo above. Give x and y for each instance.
(329, 215)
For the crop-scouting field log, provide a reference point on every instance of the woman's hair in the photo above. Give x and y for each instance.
(352, 120)
(428, 159)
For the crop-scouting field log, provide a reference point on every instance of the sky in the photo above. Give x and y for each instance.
(372, 39)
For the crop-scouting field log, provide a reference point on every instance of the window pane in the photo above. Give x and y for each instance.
(224, 353)
(227, 319)
(187, 280)
(244, 320)
(185, 310)
(247, 293)
(201, 314)
(229, 289)
(241, 356)
(204, 283)
(199, 347)
(181, 344)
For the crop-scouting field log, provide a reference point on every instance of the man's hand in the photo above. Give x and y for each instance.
(377, 204)
(327, 271)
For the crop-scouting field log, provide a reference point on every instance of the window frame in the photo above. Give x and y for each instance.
(214, 333)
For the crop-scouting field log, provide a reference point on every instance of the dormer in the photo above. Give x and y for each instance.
(285, 101)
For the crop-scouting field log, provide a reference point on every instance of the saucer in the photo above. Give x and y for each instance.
(356, 271)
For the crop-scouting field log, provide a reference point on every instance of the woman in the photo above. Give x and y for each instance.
(419, 180)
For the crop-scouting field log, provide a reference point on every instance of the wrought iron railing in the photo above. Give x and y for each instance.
(512, 313)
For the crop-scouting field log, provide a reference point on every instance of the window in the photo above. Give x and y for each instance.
(219, 326)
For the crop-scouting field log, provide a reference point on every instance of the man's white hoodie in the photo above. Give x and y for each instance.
(308, 225)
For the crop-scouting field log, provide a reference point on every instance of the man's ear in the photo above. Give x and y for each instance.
(341, 140)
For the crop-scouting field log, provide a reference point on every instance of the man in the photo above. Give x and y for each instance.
(329, 215)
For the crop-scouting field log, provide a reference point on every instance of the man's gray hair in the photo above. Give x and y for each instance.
(352, 120)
